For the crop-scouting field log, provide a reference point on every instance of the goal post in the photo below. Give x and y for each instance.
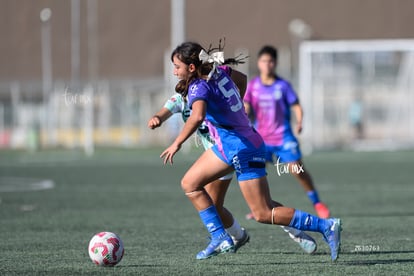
(357, 94)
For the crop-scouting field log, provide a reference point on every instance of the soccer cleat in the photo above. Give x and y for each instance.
(240, 242)
(322, 210)
(333, 237)
(249, 216)
(222, 244)
(306, 242)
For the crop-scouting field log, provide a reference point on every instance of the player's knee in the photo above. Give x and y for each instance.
(262, 216)
(185, 185)
(188, 186)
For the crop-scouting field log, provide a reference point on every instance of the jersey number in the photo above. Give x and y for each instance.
(230, 93)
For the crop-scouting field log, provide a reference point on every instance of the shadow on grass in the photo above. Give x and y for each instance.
(144, 265)
(302, 262)
(378, 252)
(376, 215)
(376, 262)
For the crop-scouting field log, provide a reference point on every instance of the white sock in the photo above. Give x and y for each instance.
(291, 231)
(235, 231)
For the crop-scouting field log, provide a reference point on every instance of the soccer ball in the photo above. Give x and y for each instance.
(106, 249)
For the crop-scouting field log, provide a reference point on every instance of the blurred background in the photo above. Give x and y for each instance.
(86, 74)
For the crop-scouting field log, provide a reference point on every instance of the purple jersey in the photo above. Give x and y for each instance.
(226, 69)
(225, 111)
(271, 106)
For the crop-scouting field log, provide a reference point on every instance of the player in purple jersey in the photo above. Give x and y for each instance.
(213, 98)
(218, 188)
(268, 101)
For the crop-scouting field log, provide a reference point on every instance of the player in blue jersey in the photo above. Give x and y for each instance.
(217, 188)
(268, 100)
(213, 98)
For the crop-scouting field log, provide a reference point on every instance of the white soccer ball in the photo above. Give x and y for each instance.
(106, 249)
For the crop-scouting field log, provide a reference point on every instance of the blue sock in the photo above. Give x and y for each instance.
(313, 196)
(307, 222)
(212, 221)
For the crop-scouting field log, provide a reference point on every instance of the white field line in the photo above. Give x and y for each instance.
(20, 184)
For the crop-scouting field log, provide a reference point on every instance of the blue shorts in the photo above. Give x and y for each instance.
(248, 161)
(286, 153)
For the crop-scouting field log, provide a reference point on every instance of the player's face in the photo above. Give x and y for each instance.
(182, 70)
(266, 64)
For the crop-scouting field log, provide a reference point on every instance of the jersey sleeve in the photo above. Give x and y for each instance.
(198, 90)
(290, 95)
(174, 104)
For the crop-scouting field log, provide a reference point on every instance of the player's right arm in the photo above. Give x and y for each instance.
(173, 105)
(247, 99)
(160, 117)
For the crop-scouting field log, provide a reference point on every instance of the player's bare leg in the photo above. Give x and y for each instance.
(257, 195)
(265, 210)
(304, 178)
(205, 170)
(297, 169)
(217, 191)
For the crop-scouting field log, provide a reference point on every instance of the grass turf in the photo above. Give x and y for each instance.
(131, 193)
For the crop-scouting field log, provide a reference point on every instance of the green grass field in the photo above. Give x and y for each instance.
(131, 193)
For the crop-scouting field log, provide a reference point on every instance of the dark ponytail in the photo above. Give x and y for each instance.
(188, 53)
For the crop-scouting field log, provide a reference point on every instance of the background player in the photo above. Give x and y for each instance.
(268, 101)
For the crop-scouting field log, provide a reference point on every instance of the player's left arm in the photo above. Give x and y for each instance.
(196, 118)
(297, 109)
(292, 100)
(249, 111)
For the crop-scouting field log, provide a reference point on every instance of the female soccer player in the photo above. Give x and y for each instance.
(218, 188)
(268, 101)
(213, 98)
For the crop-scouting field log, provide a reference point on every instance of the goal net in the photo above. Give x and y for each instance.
(357, 94)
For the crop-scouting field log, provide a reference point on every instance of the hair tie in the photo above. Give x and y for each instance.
(217, 58)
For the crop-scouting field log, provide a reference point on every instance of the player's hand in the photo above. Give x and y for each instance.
(299, 127)
(154, 122)
(169, 153)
